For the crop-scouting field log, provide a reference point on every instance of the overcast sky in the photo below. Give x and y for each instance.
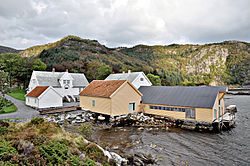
(24, 23)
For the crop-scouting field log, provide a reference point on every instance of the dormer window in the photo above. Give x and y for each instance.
(66, 82)
(142, 79)
(34, 80)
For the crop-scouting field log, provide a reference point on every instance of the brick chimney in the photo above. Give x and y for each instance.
(129, 71)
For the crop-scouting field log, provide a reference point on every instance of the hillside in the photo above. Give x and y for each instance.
(4, 49)
(217, 63)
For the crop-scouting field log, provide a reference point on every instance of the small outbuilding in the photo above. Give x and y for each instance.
(110, 97)
(44, 97)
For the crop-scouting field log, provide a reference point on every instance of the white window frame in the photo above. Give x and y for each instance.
(133, 106)
(93, 103)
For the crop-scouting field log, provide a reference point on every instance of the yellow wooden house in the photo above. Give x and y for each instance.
(110, 97)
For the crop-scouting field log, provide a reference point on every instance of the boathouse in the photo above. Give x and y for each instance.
(202, 104)
(110, 97)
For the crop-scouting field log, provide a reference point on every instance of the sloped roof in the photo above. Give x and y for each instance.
(46, 78)
(102, 88)
(124, 76)
(198, 97)
(37, 91)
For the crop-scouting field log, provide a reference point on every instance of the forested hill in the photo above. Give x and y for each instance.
(4, 49)
(217, 63)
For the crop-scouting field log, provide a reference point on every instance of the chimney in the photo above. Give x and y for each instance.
(67, 70)
(129, 71)
(123, 72)
(53, 70)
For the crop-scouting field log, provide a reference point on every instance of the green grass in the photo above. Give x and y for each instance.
(9, 109)
(18, 94)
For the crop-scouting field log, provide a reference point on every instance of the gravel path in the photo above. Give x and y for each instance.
(24, 112)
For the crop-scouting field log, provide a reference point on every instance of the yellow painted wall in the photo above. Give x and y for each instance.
(116, 105)
(121, 99)
(171, 114)
(202, 114)
(102, 105)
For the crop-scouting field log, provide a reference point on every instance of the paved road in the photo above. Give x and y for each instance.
(24, 112)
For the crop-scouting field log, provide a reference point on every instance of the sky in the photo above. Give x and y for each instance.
(114, 23)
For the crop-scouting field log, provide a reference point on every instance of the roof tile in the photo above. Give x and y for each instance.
(102, 88)
(37, 91)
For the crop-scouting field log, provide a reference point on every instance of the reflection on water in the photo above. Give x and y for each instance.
(181, 147)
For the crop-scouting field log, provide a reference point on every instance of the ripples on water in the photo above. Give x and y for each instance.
(181, 147)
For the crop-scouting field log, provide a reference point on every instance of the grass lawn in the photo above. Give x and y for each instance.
(9, 109)
(17, 94)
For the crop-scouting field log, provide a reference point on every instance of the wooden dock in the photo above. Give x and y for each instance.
(227, 120)
(58, 110)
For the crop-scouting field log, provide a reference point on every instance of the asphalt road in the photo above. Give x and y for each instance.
(23, 113)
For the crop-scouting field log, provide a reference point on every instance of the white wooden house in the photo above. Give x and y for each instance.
(137, 79)
(44, 97)
(69, 85)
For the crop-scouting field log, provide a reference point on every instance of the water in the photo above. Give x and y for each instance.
(181, 147)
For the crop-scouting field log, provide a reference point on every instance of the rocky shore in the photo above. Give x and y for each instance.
(139, 120)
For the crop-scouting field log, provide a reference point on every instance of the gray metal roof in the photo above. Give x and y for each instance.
(197, 97)
(124, 76)
(46, 78)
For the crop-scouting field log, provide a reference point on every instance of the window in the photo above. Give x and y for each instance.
(131, 107)
(141, 79)
(190, 113)
(176, 109)
(68, 81)
(34, 80)
(64, 82)
(93, 103)
(215, 113)
(35, 100)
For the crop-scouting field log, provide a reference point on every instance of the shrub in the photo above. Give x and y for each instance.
(3, 130)
(7, 163)
(86, 130)
(6, 149)
(75, 160)
(37, 121)
(55, 152)
(89, 162)
(95, 153)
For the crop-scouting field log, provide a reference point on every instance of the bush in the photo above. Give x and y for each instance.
(6, 149)
(95, 153)
(86, 130)
(75, 161)
(89, 162)
(37, 121)
(3, 130)
(55, 152)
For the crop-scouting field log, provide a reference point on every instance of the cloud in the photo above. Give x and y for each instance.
(123, 22)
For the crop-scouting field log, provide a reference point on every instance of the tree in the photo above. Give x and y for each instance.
(155, 79)
(38, 65)
(3, 82)
(103, 71)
